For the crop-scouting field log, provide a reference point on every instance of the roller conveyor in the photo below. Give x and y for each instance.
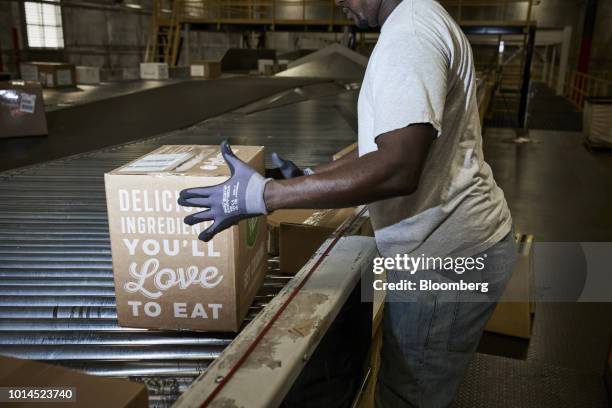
(56, 285)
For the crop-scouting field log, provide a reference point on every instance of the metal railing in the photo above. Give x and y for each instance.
(168, 16)
(579, 86)
(318, 12)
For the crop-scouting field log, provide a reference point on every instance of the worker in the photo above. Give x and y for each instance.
(419, 166)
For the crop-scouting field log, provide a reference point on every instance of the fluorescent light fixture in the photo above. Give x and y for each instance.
(134, 6)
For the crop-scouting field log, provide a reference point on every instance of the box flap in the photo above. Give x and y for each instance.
(91, 391)
(188, 160)
(316, 218)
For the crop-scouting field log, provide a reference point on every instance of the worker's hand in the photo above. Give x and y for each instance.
(240, 197)
(288, 168)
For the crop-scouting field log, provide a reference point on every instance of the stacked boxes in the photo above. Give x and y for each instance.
(49, 74)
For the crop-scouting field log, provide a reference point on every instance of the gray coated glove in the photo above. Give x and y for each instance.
(238, 198)
(288, 168)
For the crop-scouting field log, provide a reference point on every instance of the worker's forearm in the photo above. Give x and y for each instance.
(359, 181)
(352, 155)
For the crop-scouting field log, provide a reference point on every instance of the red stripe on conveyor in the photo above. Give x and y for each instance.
(339, 233)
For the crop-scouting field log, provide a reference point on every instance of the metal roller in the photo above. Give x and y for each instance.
(129, 368)
(56, 284)
(40, 300)
(57, 312)
(136, 337)
(82, 291)
(125, 353)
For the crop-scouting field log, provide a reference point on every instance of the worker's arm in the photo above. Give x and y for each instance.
(353, 154)
(286, 169)
(393, 170)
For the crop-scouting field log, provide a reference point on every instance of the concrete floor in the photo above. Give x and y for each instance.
(559, 192)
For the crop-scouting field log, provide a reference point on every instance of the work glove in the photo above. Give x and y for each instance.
(288, 168)
(238, 198)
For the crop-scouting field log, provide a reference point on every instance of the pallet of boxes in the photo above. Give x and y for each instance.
(165, 278)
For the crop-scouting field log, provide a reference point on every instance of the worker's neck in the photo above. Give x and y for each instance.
(386, 8)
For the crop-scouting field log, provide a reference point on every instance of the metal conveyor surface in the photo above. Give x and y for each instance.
(56, 284)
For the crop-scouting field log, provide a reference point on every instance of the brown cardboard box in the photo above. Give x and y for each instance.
(22, 110)
(513, 314)
(49, 74)
(164, 276)
(344, 151)
(301, 232)
(206, 69)
(88, 391)
(272, 69)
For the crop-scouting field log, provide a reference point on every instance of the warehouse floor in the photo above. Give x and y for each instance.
(559, 192)
(556, 189)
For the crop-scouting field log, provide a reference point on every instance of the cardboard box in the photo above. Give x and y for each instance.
(164, 276)
(22, 110)
(154, 70)
(262, 64)
(301, 232)
(206, 69)
(274, 69)
(88, 75)
(49, 74)
(513, 315)
(88, 391)
(597, 119)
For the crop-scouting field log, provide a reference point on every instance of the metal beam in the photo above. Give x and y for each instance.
(564, 59)
(522, 118)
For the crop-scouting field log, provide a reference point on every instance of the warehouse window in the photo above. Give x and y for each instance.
(44, 24)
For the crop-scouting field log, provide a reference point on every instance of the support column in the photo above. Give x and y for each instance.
(524, 102)
(590, 15)
(546, 65)
(565, 50)
(187, 44)
(553, 60)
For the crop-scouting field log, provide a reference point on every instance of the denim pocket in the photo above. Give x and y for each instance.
(473, 309)
(469, 321)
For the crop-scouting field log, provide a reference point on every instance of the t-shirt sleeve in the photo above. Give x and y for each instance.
(409, 85)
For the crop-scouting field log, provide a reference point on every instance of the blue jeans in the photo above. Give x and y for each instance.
(429, 337)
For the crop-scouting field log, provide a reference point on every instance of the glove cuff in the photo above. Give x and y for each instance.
(255, 203)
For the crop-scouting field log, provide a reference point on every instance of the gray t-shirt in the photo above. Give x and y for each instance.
(422, 71)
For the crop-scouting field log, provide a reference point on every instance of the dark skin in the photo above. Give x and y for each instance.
(393, 170)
